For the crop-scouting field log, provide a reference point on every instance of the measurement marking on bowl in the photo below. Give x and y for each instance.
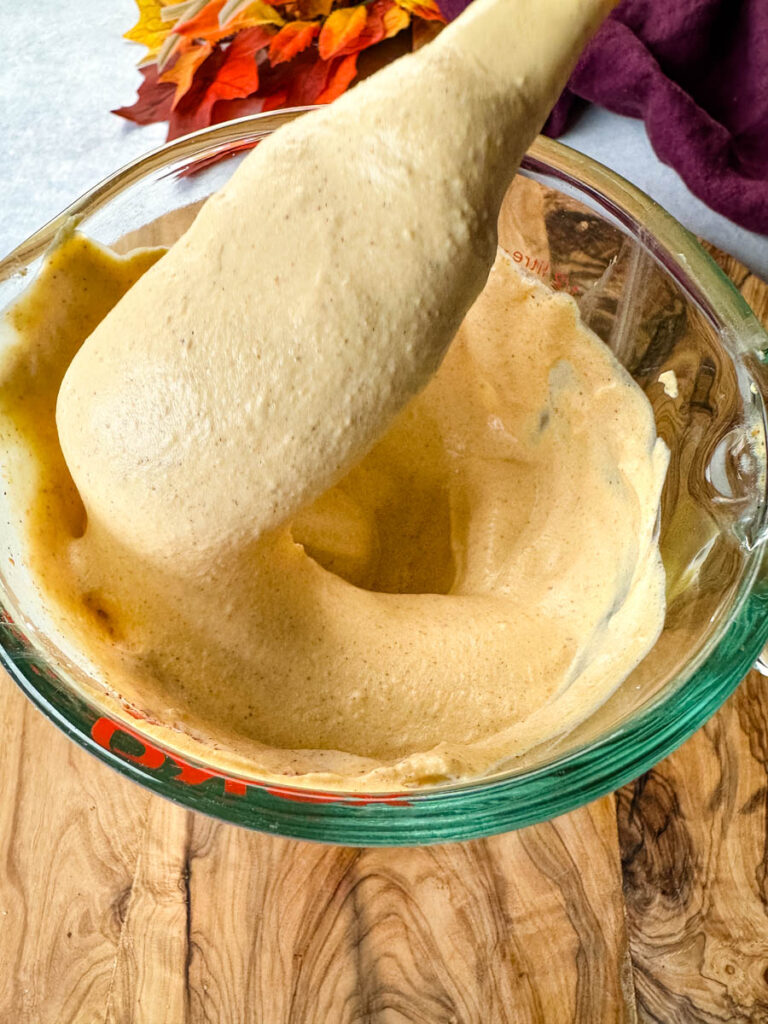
(539, 265)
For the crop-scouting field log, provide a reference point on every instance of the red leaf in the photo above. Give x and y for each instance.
(307, 83)
(373, 32)
(228, 74)
(291, 39)
(304, 79)
(275, 100)
(193, 112)
(229, 110)
(183, 69)
(303, 83)
(154, 99)
(208, 161)
(339, 79)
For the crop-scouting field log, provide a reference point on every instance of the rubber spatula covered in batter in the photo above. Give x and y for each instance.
(314, 294)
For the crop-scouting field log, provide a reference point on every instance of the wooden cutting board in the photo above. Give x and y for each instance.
(648, 905)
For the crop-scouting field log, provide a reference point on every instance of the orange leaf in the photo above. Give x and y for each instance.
(238, 76)
(291, 39)
(341, 29)
(204, 25)
(340, 79)
(183, 70)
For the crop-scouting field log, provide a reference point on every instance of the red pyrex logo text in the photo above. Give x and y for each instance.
(108, 733)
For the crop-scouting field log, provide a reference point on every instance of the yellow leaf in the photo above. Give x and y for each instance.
(150, 29)
(395, 20)
(315, 8)
(249, 13)
(426, 9)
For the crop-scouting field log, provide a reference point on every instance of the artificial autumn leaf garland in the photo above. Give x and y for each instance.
(211, 60)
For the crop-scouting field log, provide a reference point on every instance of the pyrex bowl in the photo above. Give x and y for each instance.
(647, 288)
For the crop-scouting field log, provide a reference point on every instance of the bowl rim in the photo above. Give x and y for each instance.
(472, 808)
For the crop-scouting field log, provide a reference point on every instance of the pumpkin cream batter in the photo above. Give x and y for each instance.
(285, 535)
(483, 579)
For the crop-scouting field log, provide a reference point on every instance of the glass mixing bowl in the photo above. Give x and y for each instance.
(647, 288)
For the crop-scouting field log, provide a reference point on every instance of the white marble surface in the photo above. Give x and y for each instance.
(65, 66)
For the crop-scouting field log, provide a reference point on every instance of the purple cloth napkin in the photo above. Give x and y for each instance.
(696, 71)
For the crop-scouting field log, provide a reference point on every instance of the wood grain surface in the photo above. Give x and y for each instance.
(648, 905)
